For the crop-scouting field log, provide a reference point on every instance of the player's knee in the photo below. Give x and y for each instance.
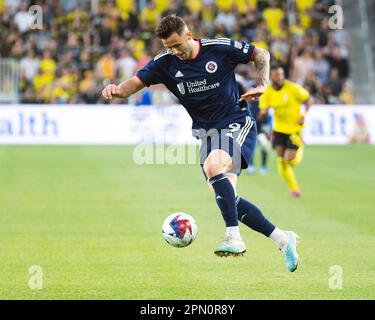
(216, 163)
(212, 169)
(210, 187)
(289, 156)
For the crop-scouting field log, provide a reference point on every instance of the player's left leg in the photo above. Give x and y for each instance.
(251, 215)
(293, 155)
(265, 147)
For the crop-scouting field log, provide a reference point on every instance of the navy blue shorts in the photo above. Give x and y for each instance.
(238, 139)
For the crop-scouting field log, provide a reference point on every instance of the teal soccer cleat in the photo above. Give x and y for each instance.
(290, 253)
(231, 247)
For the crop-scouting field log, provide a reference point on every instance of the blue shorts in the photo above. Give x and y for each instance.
(238, 139)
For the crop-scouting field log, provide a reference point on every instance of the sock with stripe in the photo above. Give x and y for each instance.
(252, 217)
(225, 199)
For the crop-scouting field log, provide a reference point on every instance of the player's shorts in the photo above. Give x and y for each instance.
(288, 141)
(238, 139)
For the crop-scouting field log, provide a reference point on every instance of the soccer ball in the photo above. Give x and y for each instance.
(179, 229)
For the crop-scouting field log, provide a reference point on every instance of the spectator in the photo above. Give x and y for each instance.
(29, 65)
(22, 18)
(225, 22)
(87, 88)
(106, 67)
(303, 64)
(273, 16)
(125, 65)
(334, 82)
(106, 45)
(321, 67)
(346, 95)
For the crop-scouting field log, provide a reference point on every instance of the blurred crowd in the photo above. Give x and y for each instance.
(86, 44)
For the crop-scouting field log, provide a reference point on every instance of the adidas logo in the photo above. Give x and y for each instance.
(178, 74)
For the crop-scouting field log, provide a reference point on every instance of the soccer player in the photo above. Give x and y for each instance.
(286, 98)
(263, 129)
(200, 73)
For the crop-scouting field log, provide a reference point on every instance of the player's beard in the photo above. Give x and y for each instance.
(278, 86)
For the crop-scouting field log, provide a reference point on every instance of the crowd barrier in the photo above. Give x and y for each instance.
(103, 124)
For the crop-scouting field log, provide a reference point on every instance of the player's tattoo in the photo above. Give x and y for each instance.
(262, 65)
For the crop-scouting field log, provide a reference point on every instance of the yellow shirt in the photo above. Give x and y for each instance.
(273, 17)
(124, 5)
(286, 104)
(194, 5)
(40, 80)
(162, 5)
(150, 16)
(224, 5)
(260, 44)
(48, 66)
(303, 5)
(138, 47)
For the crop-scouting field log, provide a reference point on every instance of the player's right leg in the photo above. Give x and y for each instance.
(215, 167)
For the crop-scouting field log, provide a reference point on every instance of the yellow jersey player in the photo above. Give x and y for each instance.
(286, 98)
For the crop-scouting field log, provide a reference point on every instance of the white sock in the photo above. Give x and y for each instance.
(234, 233)
(280, 237)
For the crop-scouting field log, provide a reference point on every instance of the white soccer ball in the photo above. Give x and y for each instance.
(179, 229)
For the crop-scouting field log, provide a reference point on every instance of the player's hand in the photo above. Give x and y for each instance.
(253, 94)
(110, 91)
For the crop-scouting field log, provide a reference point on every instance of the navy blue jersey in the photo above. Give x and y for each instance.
(206, 85)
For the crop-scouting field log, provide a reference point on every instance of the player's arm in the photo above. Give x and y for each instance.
(124, 89)
(304, 96)
(308, 104)
(261, 60)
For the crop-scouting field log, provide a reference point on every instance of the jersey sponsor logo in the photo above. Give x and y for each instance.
(196, 86)
(181, 88)
(200, 86)
(211, 66)
(179, 74)
(238, 44)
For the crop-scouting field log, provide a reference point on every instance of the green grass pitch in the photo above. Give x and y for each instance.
(91, 219)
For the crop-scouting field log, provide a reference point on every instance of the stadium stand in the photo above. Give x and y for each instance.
(85, 44)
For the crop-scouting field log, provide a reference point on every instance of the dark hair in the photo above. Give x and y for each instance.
(276, 67)
(169, 25)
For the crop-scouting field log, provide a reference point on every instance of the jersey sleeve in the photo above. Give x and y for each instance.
(150, 74)
(301, 93)
(241, 52)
